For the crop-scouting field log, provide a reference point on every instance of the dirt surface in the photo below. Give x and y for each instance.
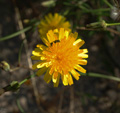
(88, 95)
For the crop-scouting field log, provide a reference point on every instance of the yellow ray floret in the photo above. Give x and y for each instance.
(51, 22)
(60, 59)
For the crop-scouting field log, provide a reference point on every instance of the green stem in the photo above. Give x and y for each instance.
(15, 34)
(14, 85)
(19, 106)
(14, 69)
(88, 74)
(96, 10)
(112, 24)
(102, 76)
(23, 81)
(108, 3)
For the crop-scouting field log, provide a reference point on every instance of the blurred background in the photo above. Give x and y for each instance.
(87, 95)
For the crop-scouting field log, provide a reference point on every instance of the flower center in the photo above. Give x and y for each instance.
(58, 58)
(63, 56)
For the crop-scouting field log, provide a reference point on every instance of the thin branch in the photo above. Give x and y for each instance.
(61, 102)
(71, 99)
(23, 37)
(113, 31)
(100, 29)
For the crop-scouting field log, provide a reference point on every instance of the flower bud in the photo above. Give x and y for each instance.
(5, 66)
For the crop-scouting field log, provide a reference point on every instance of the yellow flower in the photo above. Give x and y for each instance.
(60, 57)
(50, 21)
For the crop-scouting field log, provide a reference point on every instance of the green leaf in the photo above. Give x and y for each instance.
(15, 34)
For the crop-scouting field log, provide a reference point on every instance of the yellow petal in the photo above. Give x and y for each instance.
(54, 77)
(36, 53)
(45, 41)
(82, 55)
(47, 77)
(47, 19)
(42, 23)
(75, 35)
(64, 80)
(79, 42)
(71, 35)
(83, 51)
(40, 46)
(82, 62)
(50, 36)
(37, 49)
(51, 70)
(41, 71)
(79, 68)
(61, 33)
(66, 34)
(35, 65)
(70, 80)
(55, 30)
(57, 18)
(35, 57)
(42, 58)
(56, 15)
(75, 74)
(57, 82)
(66, 25)
(39, 64)
(50, 16)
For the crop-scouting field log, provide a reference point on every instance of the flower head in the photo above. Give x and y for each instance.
(50, 21)
(61, 57)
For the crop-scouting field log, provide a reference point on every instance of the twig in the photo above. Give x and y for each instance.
(100, 29)
(52, 103)
(60, 102)
(23, 37)
(113, 31)
(71, 99)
